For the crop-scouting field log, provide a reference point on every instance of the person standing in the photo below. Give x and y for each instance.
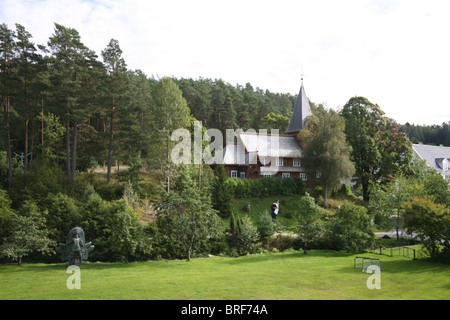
(275, 207)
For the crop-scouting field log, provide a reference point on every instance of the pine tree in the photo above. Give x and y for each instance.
(221, 194)
(6, 88)
(70, 65)
(117, 91)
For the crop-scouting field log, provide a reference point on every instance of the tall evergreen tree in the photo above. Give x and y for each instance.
(70, 64)
(7, 82)
(29, 68)
(221, 193)
(117, 90)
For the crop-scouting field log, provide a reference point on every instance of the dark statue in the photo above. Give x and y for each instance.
(75, 250)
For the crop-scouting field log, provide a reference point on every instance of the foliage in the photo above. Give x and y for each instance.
(266, 227)
(275, 121)
(63, 215)
(187, 215)
(430, 221)
(245, 238)
(244, 188)
(428, 134)
(326, 150)
(221, 192)
(380, 150)
(127, 235)
(351, 229)
(308, 216)
(29, 234)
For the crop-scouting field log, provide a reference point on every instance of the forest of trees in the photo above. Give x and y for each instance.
(66, 110)
(428, 134)
(63, 101)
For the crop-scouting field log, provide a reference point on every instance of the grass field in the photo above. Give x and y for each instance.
(291, 275)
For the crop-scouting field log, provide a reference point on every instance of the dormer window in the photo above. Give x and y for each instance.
(445, 164)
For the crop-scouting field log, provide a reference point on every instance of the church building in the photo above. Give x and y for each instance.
(255, 155)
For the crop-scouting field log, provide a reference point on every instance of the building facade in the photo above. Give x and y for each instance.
(254, 155)
(436, 157)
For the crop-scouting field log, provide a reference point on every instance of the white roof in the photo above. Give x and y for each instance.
(266, 145)
(253, 145)
(434, 156)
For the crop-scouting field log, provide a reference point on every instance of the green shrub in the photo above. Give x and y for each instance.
(243, 188)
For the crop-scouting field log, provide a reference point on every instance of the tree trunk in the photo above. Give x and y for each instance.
(25, 163)
(8, 155)
(74, 150)
(68, 151)
(111, 137)
(325, 197)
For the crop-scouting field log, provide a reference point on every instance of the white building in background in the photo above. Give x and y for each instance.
(436, 157)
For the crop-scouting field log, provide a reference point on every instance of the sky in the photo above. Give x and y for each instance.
(395, 53)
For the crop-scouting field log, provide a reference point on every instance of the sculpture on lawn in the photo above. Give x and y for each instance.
(75, 250)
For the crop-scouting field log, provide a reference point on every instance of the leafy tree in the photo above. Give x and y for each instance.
(127, 236)
(430, 181)
(29, 234)
(395, 150)
(361, 120)
(221, 193)
(275, 121)
(52, 132)
(6, 214)
(387, 201)
(308, 220)
(351, 228)
(169, 112)
(327, 150)
(430, 220)
(380, 150)
(187, 215)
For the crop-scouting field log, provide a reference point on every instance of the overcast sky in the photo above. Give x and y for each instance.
(396, 53)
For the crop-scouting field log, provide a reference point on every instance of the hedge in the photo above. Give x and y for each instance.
(243, 188)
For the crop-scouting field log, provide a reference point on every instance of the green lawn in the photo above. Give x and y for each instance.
(291, 275)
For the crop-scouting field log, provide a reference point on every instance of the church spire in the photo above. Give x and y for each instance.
(302, 110)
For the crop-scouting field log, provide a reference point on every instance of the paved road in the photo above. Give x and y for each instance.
(392, 234)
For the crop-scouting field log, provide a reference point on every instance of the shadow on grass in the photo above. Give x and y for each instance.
(32, 267)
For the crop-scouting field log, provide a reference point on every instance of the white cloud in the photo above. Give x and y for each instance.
(393, 52)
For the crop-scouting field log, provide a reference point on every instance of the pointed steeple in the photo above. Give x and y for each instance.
(302, 110)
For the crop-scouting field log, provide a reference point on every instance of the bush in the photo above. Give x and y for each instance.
(351, 229)
(245, 238)
(243, 188)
